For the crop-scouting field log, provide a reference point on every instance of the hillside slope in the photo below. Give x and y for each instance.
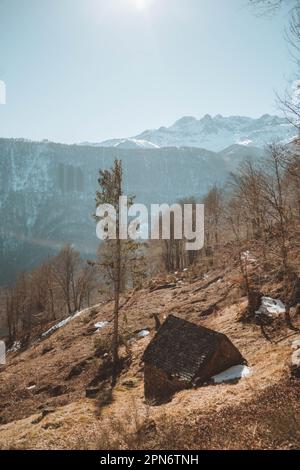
(43, 389)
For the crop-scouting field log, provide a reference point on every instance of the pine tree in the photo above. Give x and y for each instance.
(116, 256)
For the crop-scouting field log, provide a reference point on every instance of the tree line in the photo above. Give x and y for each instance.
(61, 286)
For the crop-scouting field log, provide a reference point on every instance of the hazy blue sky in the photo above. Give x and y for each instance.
(87, 70)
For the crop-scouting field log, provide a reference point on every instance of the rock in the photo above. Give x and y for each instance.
(57, 390)
(31, 384)
(46, 411)
(51, 389)
(76, 370)
(92, 392)
(90, 330)
(51, 426)
(130, 383)
(47, 348)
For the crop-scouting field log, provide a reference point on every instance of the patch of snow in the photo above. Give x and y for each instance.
(245, 142)
(214, 133)
(271, 307)
(136, 143)
(143, 334)
(61, 324)
(296, 344)
(15, 347)
(32, 387)
(101, 324)
(129, 143)
(246, 256)
(235, 372)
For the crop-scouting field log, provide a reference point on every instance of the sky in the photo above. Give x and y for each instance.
(89, 70)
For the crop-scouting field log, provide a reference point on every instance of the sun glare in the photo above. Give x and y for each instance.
(142, 4)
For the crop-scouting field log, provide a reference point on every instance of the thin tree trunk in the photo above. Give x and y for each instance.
(115, 342)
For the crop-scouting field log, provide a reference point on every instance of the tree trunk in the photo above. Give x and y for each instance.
(115, 342)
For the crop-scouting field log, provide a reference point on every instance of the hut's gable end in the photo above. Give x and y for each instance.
(183, 354)
(226, 355)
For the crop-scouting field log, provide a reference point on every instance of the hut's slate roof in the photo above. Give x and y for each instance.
(180, 348)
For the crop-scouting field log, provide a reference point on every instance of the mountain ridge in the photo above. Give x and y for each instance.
(214, 133)
(48, 191)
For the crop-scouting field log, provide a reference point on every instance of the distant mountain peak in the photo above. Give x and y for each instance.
(184, 120)
(206, 117)
(213, 133)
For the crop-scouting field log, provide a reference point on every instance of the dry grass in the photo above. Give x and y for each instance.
(249, 414)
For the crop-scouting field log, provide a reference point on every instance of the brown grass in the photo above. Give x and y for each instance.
(253, 413)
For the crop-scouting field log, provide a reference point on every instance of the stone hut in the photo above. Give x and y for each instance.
(184, 355)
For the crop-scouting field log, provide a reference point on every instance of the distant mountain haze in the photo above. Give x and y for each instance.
(48, 190)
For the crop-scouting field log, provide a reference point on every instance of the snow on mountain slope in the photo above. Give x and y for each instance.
(129, 144)
(47, 191)
(212, 133)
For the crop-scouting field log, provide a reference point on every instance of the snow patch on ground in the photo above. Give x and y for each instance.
(234, 373)
(101, 324)
(32, 387)
(61, 324)
(271, 307)
(246, 256)
(143, 334)
(15, 347)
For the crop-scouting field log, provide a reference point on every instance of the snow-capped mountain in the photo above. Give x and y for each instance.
(47, 191)
(212, 133)
(130, 144)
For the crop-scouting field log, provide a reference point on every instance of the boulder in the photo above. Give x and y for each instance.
(76, 370)
(92, 392)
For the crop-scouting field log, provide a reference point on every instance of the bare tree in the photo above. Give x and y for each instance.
(271, 6)
(290, 102)
(213, 202)
(65, 270)
(247, 188)
(274, 193)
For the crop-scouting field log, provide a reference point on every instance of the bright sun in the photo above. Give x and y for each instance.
(142, 4)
